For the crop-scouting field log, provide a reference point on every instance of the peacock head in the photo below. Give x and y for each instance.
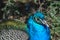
(39, 14)
(38, 17)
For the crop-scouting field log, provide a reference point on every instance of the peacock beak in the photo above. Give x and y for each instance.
(44, 22)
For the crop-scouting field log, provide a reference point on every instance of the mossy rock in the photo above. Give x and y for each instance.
(11, 24)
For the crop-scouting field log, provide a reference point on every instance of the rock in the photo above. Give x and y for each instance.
(13, 35)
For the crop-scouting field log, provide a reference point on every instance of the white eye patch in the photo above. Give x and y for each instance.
(37, 20)
(40, 21)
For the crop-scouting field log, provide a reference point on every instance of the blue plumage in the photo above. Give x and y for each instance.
(37, 31)
(39, 14)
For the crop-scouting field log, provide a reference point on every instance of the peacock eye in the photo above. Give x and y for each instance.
(37, 20)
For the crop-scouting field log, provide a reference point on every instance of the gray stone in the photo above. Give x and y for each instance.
(13, 35)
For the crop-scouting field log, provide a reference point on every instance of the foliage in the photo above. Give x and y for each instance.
(53, 19)
(10, 9)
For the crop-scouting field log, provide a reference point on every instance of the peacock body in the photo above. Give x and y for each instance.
(37, 31)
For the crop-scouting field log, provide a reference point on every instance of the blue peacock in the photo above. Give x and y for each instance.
(36, 28)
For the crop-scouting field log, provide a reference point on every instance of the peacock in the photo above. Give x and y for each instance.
(37, 28)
